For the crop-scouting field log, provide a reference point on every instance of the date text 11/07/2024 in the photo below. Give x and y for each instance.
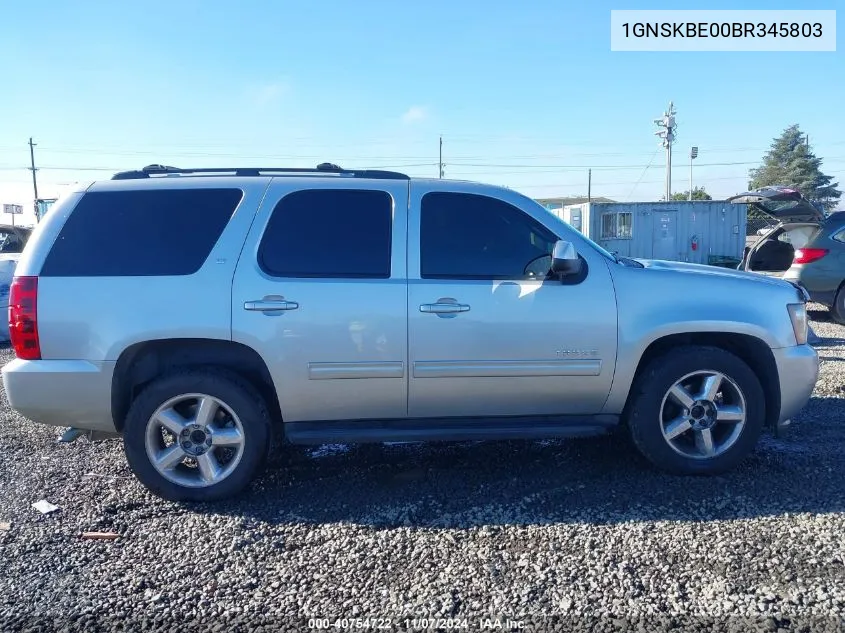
(722, 29)
(416, 624)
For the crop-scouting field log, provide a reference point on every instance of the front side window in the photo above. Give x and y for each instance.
(329, 233)
(470, 236)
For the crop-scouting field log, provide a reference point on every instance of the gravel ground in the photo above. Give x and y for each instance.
(574, 535)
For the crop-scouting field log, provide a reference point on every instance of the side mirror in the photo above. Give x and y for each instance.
(565, 260)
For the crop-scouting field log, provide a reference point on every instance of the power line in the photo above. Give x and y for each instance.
(624, 182)
(612, 167)
(203, 150)
(481, 168)
(200, 153)
(529, 169)
(299, 142)
(116, 169)
(555, 185)
(642, 175)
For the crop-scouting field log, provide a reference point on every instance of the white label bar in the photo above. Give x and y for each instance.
(729, 30)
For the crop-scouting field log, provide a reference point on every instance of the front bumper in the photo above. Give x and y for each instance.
(62, 392)
(798, 371)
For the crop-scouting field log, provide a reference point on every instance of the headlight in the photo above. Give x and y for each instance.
(798, 316)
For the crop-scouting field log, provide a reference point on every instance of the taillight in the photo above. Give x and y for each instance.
(23, 317)
(808, 255)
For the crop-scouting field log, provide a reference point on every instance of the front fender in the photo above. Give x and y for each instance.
(654, 304)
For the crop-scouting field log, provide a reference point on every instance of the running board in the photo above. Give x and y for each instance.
(448, 429)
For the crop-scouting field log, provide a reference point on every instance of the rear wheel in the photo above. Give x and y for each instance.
(696, 410)
(198, 435)
(837, 310)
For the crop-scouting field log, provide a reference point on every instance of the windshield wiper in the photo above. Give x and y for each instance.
(627, 261)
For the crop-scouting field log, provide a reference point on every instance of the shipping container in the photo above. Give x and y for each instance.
(697, 231)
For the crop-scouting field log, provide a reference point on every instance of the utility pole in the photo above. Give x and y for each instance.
(589, 184)
(34, 180)
(440, 163)
(693, 154)
(667, 122)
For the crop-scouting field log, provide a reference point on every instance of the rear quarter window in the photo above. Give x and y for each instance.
(161, 232)
(838, 234)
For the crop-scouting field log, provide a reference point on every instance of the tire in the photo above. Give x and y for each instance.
(837, 310)
(230, 437)
(652, 409)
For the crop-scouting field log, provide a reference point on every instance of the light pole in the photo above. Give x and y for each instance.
(693, 154)
(667, 133)
(440, 163)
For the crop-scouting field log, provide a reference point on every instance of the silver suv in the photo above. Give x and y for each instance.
(207, 315)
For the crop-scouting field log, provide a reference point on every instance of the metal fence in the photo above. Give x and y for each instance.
(757, 221)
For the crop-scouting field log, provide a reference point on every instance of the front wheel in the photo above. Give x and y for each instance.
(696, 410)
(197, 435)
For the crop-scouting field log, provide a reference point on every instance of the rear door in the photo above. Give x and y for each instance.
(320, 292)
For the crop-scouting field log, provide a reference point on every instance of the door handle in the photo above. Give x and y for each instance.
(270, 305)
(444, 308)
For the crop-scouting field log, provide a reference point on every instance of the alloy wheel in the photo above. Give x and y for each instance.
(703, 414)
(194, 440)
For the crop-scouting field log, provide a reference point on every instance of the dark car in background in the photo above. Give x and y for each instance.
(13, 238)
(804, 246)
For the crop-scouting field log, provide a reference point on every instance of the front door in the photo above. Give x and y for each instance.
(320, 292)
(489, 334)
(665, 235)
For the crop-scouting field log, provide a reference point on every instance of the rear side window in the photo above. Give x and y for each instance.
(329, 233)
(141, 233)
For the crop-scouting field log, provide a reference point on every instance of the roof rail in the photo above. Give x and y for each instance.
(322, 168)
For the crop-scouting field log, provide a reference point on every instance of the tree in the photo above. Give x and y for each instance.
(698, 193)
(791, 162)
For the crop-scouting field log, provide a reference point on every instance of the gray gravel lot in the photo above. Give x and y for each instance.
(580, 531)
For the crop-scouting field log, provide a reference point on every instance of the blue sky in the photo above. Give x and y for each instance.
(526, 95)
